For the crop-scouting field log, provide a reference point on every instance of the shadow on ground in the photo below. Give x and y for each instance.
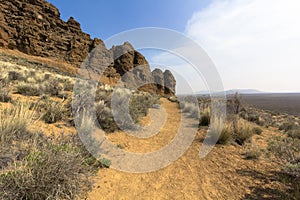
(272, 189)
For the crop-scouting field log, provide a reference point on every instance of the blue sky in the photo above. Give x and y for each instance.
(254, 44)
(104, 18)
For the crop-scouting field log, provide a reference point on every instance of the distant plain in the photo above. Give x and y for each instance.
(276, 102)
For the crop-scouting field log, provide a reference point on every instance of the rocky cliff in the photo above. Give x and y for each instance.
(34, 27)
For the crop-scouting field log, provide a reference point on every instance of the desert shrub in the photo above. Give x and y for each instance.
(139, 105)
(54, 112)
(28, 89)
(31, 80)
(32, 73)
(86, 126)
(286, 149)
(39, 78)
(295, 133)
(244, 132)
(252, 152)
(187, 107)
(102, 95)
(45, 168)
(3, 80)
(194, 113)
(257, 130)
(286, 126)
(53, 87)
(253, 118)
(287, 153)
(104, 162)
(105, 117)
(52, 171)
(47, 76)
(4, 96)
(204, 119)
(14, 122)
(225, 133)
(13, 76)
(68, 85)
(191, 108)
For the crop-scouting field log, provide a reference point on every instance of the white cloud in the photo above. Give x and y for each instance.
(254, 43)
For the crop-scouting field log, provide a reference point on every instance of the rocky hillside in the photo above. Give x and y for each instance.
(34, 27)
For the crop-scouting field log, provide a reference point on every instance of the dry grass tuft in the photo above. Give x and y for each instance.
(14, 122)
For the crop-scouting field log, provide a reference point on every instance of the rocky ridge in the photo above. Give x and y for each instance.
(34, 27)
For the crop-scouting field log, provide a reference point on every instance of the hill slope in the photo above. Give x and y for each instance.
(35, 28)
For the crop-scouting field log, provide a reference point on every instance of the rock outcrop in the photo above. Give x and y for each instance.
(159, 79)
(170, 82)
(34, 27)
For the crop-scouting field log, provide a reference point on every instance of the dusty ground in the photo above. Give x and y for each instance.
(223, 174)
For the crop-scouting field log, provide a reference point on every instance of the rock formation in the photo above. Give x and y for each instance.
(170, 82)
(159, 79)
(34, 27)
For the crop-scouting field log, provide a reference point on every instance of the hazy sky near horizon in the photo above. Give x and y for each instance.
(255, 44)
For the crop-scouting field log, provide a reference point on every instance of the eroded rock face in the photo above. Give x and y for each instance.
(34, 27)
(170, 83)
(159, 79)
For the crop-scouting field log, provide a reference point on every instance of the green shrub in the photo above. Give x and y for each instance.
(257, 130)
(4, 96)
(53, 87)
(286, 126)
(105, 117)
(29, 89)
(253, 118)
(47, 76)
(54, 112)
(13, 76)
(51, 168)
(204, 119)
(54, 172)
(139, 105)
(287, 153)
(102, 95)
(295, 133)
(68, 85)
(105, 162)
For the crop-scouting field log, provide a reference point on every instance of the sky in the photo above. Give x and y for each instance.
(254, 44)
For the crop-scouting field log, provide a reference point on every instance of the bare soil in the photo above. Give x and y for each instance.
(223, 174)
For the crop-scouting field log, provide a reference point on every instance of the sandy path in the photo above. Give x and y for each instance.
(223, 174)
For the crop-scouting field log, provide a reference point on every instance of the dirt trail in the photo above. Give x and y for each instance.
(223, 174)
